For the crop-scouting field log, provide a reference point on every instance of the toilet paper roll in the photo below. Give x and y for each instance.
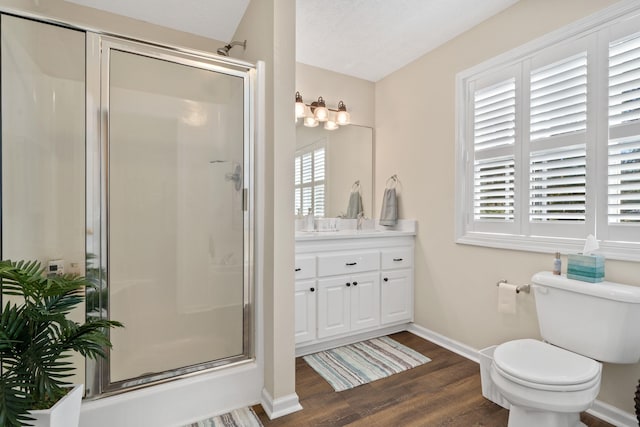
(507, 298)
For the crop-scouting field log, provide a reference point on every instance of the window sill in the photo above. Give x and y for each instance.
(622, 251)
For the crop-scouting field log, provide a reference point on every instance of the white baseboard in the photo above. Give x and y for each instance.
(281, 406)
(604, 411)
(452, 345)
(612, 415)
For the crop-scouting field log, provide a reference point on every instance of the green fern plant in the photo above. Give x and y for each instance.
(37, 338)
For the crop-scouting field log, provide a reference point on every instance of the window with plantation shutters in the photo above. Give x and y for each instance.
(309, 180)
(548, 142)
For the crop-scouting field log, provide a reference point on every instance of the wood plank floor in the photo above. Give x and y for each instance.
(443, 392)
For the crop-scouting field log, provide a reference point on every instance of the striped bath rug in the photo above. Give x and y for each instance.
(356, 364)
(244, 417)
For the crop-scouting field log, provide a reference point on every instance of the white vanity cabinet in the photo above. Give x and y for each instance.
(362, 287)
(397, 285)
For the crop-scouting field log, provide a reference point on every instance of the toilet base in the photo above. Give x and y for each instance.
(525, 417)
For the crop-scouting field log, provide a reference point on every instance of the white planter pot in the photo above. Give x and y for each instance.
(65, 413)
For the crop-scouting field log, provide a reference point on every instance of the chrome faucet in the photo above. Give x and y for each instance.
(360, 219)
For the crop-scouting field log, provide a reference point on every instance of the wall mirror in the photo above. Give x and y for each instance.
(327, 164)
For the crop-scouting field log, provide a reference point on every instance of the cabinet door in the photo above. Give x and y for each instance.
(396, 296)
(305, 305)
(333, 306)
(365, 301)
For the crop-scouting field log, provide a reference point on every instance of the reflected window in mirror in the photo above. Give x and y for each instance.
(310, 179)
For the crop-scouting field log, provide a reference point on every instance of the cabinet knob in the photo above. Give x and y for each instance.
(348, 284)
(298, 269)
(386, 279)
(312, 289)
(397, 259)
(351, 263)
(355, 283)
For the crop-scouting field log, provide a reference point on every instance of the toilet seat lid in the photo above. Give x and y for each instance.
(537, 362)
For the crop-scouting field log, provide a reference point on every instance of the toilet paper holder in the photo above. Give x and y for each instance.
(526, 288)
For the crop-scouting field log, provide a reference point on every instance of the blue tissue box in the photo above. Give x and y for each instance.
(588, 268)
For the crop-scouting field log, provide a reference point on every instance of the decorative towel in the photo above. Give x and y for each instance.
(389, 212)
(355, 202)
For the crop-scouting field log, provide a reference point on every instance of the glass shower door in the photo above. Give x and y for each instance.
(177, 225)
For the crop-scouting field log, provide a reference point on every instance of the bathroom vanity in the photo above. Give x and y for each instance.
(352, 285)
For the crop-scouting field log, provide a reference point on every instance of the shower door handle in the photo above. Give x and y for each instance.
(245, 199)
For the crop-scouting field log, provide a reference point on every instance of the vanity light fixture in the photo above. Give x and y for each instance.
(316, 112)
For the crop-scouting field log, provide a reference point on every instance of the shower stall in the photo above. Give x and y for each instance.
(132, 164)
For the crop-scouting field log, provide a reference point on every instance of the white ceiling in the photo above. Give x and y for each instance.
(373, 38)
(368, 39)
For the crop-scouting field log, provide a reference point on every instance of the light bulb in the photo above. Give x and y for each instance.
(300, 107)
(310, 122)
(330, 125)
(343, 117)
(320, 111)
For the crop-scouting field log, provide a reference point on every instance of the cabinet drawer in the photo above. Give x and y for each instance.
(397, 258)
(305, 267)
(348, 262)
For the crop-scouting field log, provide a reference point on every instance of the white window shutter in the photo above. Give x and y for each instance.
(493, 196)
(624, 182)
(494, 134)
(494, 115)
(557, 185)
(624, 80)
(623, 148)
(559, 98)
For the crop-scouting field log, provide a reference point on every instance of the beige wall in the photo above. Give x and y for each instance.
(456, 294)
(269, 28)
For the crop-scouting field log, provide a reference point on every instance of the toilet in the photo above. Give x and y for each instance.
(548, 383)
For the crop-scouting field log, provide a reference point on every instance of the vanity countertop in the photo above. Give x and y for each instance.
(404, 228)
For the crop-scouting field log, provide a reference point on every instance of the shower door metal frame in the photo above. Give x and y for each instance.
(98, 52)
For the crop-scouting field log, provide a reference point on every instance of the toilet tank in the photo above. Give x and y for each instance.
(598, 320)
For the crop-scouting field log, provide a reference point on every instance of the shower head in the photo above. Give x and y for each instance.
(224, 51)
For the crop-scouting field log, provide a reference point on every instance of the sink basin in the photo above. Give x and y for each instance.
(338, 232)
